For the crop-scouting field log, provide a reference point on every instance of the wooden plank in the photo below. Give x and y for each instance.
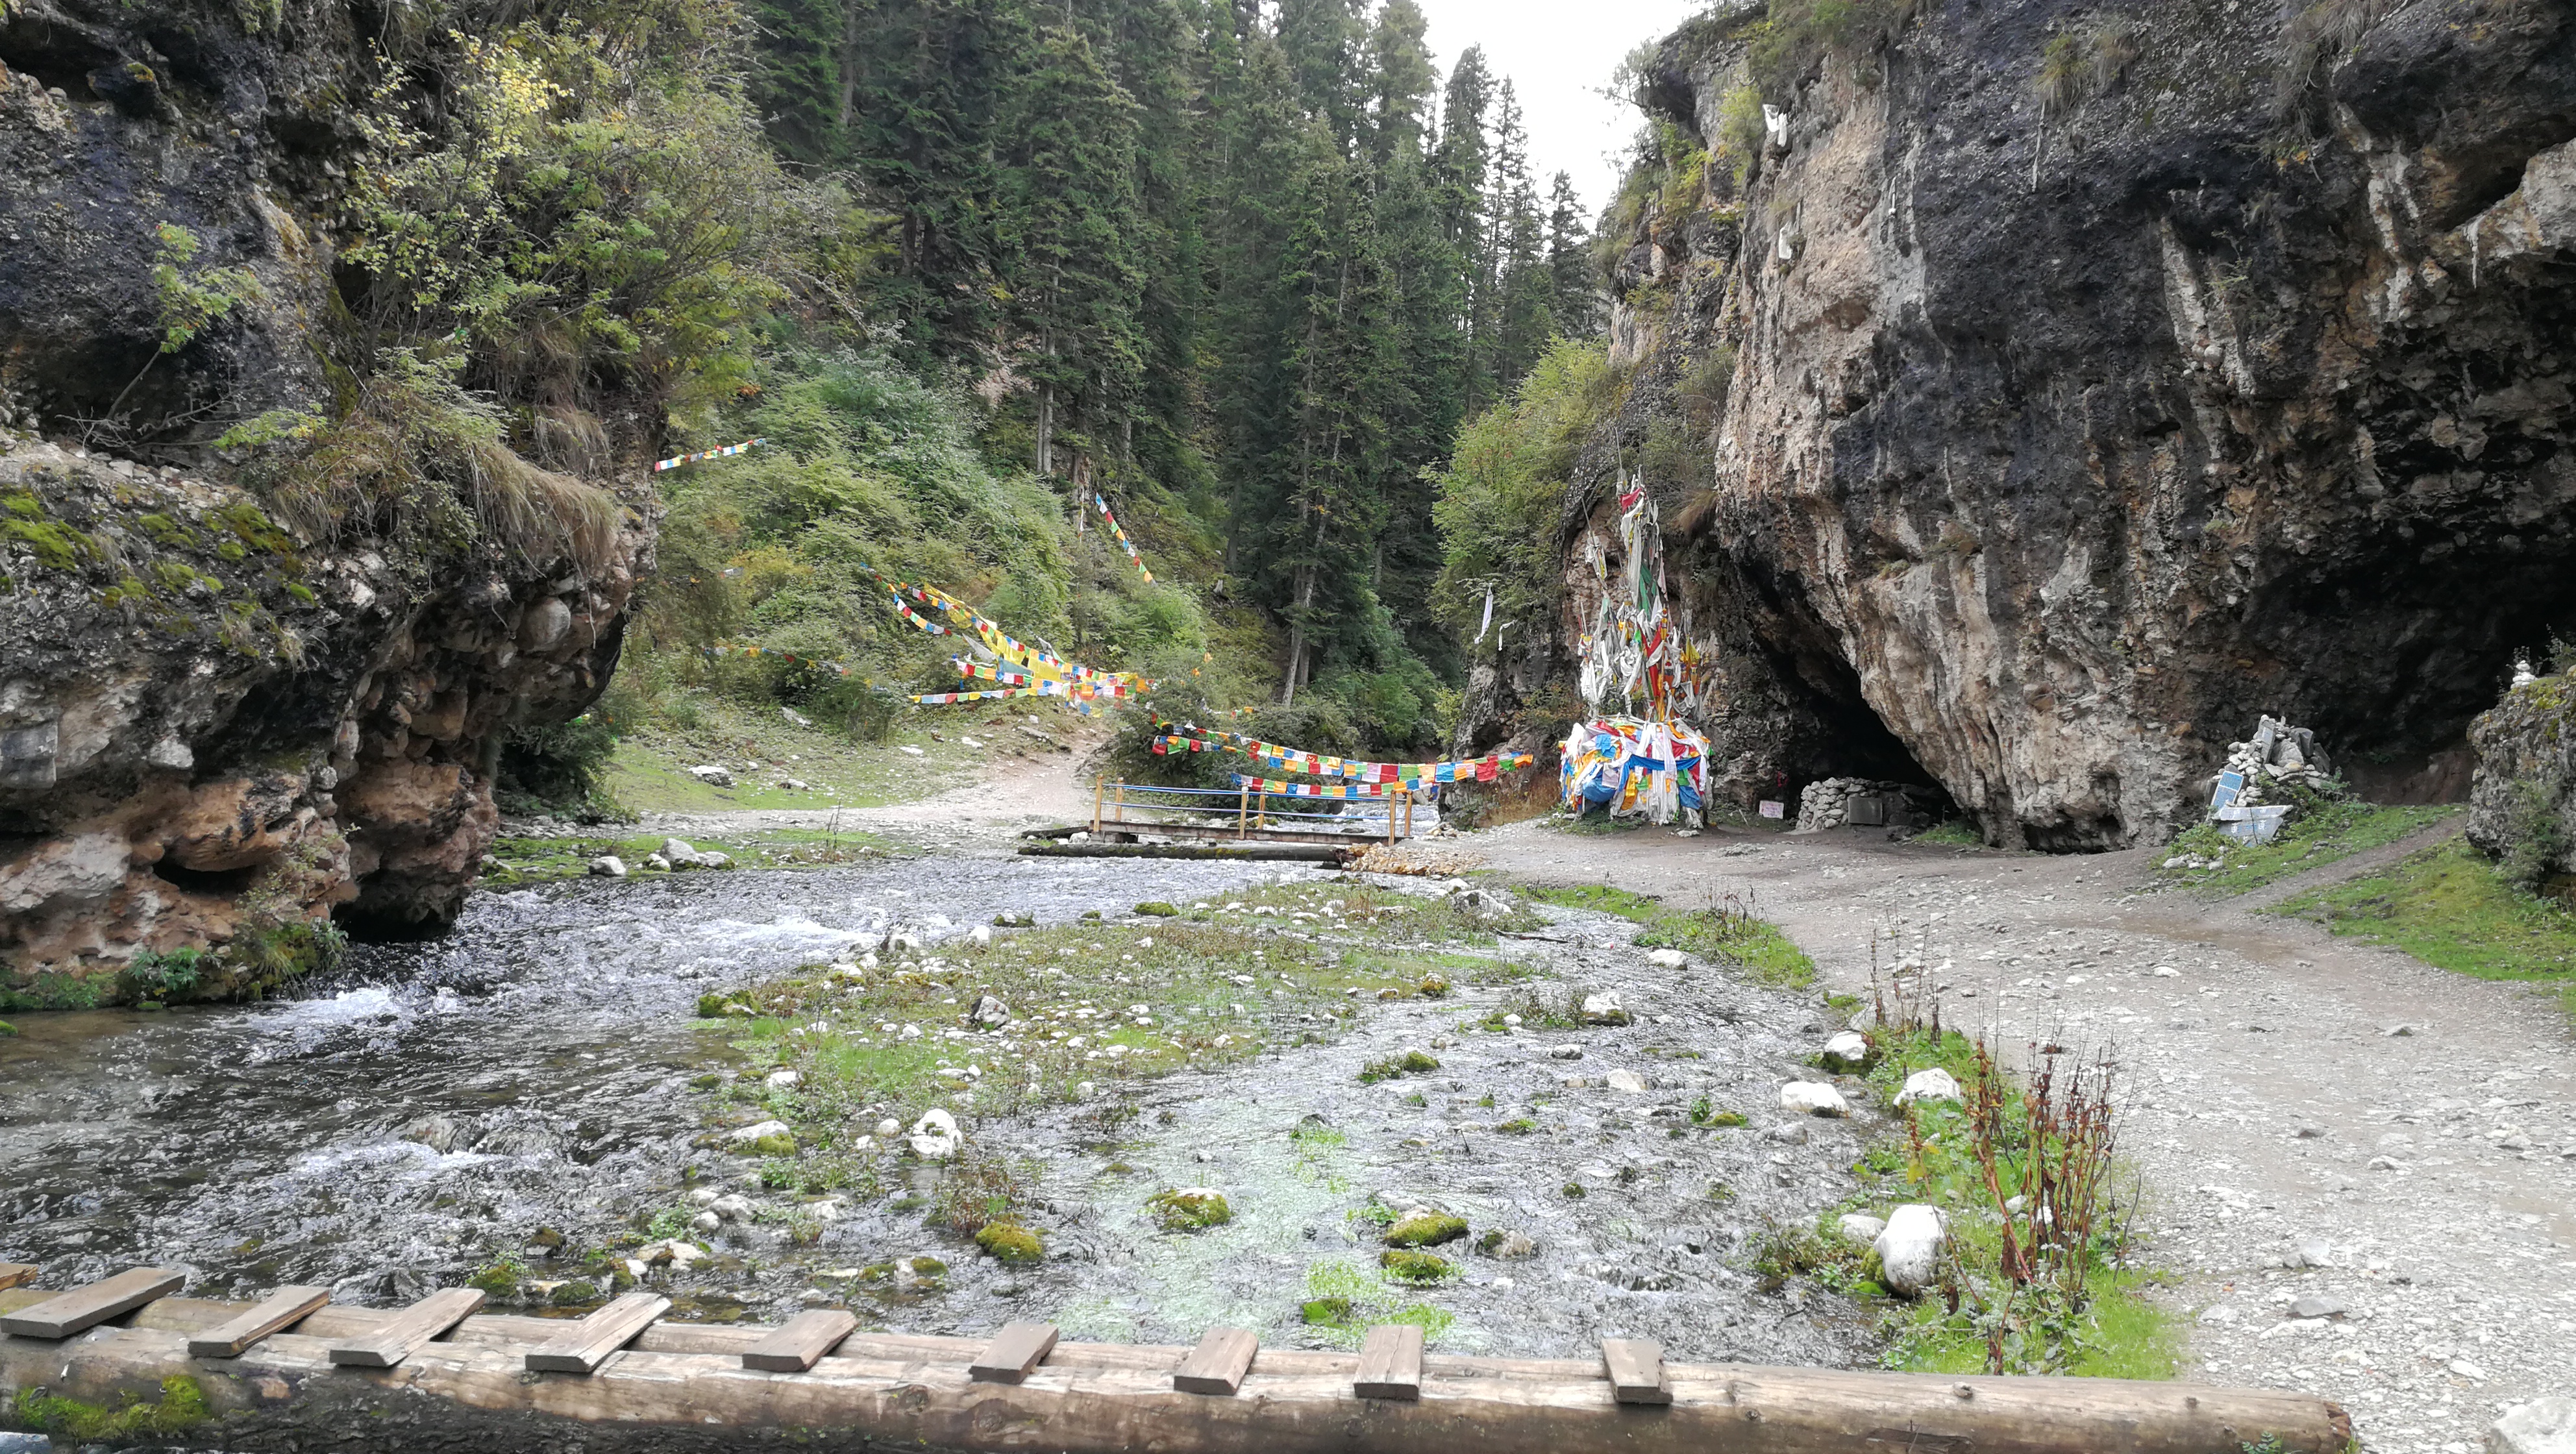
(587, 1344)
(1636, 1371)
(401, 1336)
(1390, 1363)
(280, 1310)
(87, 1307)
(1218, 1364)
(14, 1273)
(1014, 1353)
(801, 1343)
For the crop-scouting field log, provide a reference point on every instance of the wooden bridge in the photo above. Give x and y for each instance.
(295, 1372)
(1242, 814)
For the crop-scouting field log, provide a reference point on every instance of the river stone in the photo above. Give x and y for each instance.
(608, 865)
(1909, 1248)
(25, 1444)
(712, 775)
(2319, 1305)
(981, 934)
(990, 1010)
(934, 1136)
(2542, 1426)
(745, 1135)
(782, 1080)
(1565, 1052)
(435, 1132)
(1848, 1046)
(1628, 1081)
(1928, 1085)
(889, 1127)
(1860, 1227)
(1669, 958)
(1604, 1009)
(657, 863)
(732, 1207)
(1813, 1098)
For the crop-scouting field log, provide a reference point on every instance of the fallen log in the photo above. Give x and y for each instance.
(681, 1388)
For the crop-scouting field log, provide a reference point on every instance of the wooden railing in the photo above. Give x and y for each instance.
(1118, 807)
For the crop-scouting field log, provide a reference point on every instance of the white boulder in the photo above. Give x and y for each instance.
(1909, 1249)
(1849, 1046)
(1928, 1085)
(2542, 1426)
(782, 1080)
(1604, 1009)
(992, 1012)
(1861, 1227)
(745, 1135)
(712, 775)
(981, 934)
(1628, 1081)
(1813, 1098)
(934, 1136)
(1669, 958)
(608, 865)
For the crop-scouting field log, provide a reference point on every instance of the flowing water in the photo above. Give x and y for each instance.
(552, 1038)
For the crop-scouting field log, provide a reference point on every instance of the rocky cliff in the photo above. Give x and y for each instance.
(2062, 386)
(232, 714)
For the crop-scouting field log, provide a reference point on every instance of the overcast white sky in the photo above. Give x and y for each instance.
(1560, 56)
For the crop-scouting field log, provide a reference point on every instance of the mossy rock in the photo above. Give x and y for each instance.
(7, 1029)
(1189, 1209)
(575, 1293)
(929, 1267)
(1015, 921)
(1491, 1241)
(182, 1407)
(1725, 1119)
(714, 1007)
(1418, 1268)
(1011, 1244)
(776, 1143)
(499, 1279)
(1091, 914)
(1426, 1229)
(1327, 1312)
(1158, 909)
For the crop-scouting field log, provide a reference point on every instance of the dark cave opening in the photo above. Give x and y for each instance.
(222, 883)
(1849, 738)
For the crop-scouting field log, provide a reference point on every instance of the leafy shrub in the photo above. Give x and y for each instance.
(2536, 836)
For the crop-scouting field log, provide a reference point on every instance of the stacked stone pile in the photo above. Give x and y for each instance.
(1827, 803)
(2278, 758)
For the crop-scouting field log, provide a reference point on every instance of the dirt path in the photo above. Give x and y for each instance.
(2432, 1171)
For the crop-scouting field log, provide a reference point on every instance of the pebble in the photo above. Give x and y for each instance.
(2319, 1305)
(1628, 1081)
(1813, 1098)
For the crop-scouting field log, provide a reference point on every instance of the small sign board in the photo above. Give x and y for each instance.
(2229, 785)
(1772, 808)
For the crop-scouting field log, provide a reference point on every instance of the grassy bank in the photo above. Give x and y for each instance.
(1725, 931)
(2320, 832)
(2448, 907)
(2077, 1306)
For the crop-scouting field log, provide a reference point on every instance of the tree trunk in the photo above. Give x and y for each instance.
(849, 59)
(1046, 429)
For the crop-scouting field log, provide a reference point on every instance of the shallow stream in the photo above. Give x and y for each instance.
(554, 1031)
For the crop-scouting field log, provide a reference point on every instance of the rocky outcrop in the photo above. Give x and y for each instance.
(225, 724)
(2096, 382)
(215, 738)
(2523, 802)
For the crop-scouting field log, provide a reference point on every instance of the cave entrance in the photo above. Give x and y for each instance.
(1846, 737)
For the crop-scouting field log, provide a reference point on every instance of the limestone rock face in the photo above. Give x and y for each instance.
(2526, 777)
(2032, 447)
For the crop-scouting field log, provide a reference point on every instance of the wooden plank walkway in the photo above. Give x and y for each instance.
(632, 1380)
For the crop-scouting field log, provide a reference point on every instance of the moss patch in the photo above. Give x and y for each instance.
(1420, 1269)
(181, 1407)
(1189, 1209)
(1010, 1243)
(1426, 1229)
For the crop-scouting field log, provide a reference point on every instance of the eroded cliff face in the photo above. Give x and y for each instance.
(220, 732)
(2063, 439)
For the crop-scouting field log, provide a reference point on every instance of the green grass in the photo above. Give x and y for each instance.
(1344, 1300)
(650, 771)
(2314, 837)
(2113, 1332)
(2448, 907)
(1754, 945)
(1604, 898)
(1957, 833)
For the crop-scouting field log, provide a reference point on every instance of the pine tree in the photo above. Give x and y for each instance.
(1577, 290)
(1069, 225)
